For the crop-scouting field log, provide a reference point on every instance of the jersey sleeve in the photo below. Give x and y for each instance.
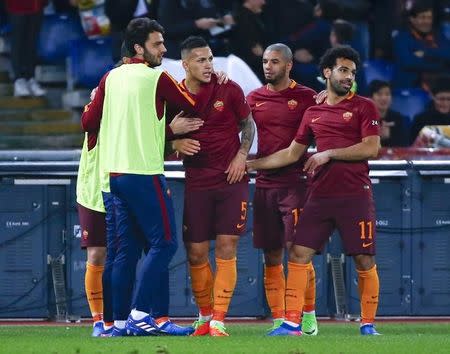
(304, 133)
(92, 114)
(239, 102)
(369, 119)
(251, 100)
(170, 91)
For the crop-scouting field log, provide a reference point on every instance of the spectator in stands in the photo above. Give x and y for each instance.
(120, 13)
(25, 17)
(284, 18)
(419, 52)
(341, 33)
(250, 34)
(310, 42)
(386, 15)
(184, 18)
(438, 113)
(393, 130)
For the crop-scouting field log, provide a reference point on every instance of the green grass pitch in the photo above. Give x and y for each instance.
(408, 338)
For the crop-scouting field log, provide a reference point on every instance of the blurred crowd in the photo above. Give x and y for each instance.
(413, 35)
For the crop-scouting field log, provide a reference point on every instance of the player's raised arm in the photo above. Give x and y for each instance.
(278, 159)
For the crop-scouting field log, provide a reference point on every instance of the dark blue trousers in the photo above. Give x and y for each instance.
(145, 220)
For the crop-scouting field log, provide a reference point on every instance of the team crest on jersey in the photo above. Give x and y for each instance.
(292, 104)
(85, 234)
(347, 116)
(218, 105)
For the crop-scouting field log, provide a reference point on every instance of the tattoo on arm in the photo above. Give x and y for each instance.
(247, 127)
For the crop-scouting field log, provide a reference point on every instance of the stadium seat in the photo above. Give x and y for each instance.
(446, 30)
(409, 102)
(88, 61)
(54, 38)
(377, 69)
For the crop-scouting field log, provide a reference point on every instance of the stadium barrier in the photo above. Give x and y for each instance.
(39, 227)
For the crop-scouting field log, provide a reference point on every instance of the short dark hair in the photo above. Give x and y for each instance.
(328, 60)
(282, 48)
(343, 30)
(138, 30)
(441, 85)
(377, 85)
(192, 42)
(418, 7)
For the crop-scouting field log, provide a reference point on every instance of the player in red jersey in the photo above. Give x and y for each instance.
(346, 132)
(216, 191)
(280, 194)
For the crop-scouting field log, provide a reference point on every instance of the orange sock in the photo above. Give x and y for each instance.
(310, 294)
(202, 287)
(369, 288)
(224, 284)
(296, 284)
(275, 286)
(94, 290)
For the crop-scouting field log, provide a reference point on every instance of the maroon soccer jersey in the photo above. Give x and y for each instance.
(218, 137)
(277, 116)
(339, 126)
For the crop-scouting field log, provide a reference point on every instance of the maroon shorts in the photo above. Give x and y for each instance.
(352, 216)
(93, 227)
(220, 211)
(276, 214)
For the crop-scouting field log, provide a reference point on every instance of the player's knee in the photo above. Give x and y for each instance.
(273, 257)
(197, 257)
(298, 254)
(226, 251)
(226, 246)
(96, 255)
(364, 261)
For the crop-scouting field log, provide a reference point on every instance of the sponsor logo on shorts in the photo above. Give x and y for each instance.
(365, 245)
(169, 193)
(292, 104)
(258, 104)
(185, 228)
(218, 105)
(85, 234)
(347, 116)
(315, 119)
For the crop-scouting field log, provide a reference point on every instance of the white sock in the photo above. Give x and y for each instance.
(216, 323)
(105, 327)
(120, 324)
(138, 315)
(313, 312)
(204, 318)
(290, 323)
